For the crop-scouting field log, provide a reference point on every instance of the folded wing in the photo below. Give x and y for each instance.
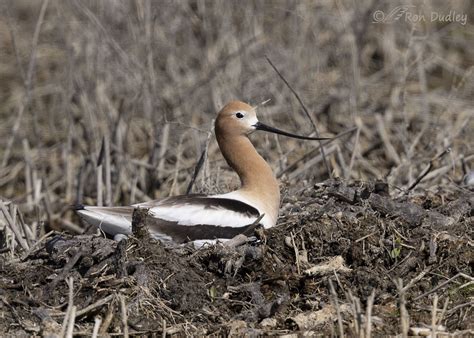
(180, 218)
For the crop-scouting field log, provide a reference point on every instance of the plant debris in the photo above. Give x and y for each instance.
(361, 245)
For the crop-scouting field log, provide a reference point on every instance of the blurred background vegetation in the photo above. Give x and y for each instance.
(142, 80)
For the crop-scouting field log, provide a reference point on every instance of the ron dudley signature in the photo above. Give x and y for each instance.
(407, 13)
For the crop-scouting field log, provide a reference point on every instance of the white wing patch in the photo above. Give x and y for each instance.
(198, 214)
(183, 211)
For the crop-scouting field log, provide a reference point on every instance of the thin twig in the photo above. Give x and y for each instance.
(460, 306)
(338, 311)
(28, 175)
(428, 169)
(309, 164)
(309, 153)
(72, 320)
(443, 311)
(100, 180)
(201, 161)
(434, 311)
(308, 115)
(443, 284)
(404, 317)
(297, 254)
(6, 8)
(179, 155)
(89, 308)
(107, 320)
(97, 322)
(36, 245)
(390, 149)
(368, 314)
(417, 278)
(28, 84)
(67, 267)
(30, 235)
(197, 169)
(165, 136)
(354, 152)
(355, 313)
(97, 304)
(70, 305)
(108, 173)
(13, 227)
(123, 308)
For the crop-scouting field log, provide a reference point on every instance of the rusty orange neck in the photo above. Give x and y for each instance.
(257, 179)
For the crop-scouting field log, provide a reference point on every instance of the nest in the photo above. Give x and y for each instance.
(346, 257)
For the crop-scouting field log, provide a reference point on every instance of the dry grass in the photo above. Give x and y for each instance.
(113, 102)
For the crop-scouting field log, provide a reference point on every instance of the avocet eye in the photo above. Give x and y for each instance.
(239, 115)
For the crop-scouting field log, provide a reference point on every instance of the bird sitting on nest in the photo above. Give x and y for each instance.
(207, 218)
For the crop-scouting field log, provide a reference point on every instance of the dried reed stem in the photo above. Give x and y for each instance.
(368, 315)
(308, 115)
(72, 320)
(95, 331)
(13, 227)
(338, 310)
(69, 311)
(434, 312)
(108, 172)
(123, 308)
(28, 84)
(404, 316)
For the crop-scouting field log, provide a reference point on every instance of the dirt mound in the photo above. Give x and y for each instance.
(340, 252)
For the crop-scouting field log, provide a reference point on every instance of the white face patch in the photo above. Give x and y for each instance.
(252, 121)
(248, 118)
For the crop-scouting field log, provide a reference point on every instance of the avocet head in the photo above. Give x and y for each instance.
(236, 118)
(239, 119)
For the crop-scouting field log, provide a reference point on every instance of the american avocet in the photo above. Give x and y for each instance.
(209, 217)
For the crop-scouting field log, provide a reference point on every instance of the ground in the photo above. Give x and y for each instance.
(353, 238)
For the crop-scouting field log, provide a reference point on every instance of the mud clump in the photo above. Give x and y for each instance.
(336, 247)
